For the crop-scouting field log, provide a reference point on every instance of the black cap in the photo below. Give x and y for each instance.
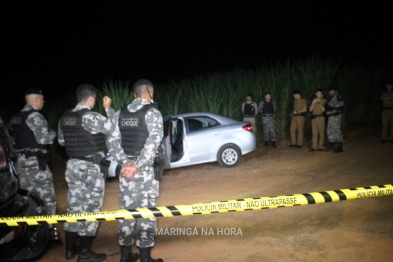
(332, 88)
(296, 92)
(142, 82)
(34, 91)
(266, 93)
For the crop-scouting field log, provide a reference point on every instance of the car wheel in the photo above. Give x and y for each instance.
(228, 155)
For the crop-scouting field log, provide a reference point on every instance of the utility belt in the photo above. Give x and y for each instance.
(42, 157)
(316, 116)
(99, 160)
(335, 114)
(247, 116)
(268, 115)
(301, 114)
(158, 166)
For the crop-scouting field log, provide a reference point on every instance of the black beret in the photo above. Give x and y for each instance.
(332, 88)
(34, 91)
(296, 92)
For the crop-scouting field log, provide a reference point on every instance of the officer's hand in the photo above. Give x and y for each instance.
(106, 102)
(129, 170)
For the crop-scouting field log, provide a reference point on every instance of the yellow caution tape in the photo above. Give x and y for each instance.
(210, 207)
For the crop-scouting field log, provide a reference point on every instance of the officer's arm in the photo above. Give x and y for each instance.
(243, 108)
(95, 123)
(37, 123)
(256, 108)
(304, 109)
(60, 135)
(153, 120)
(113, 142)
(260, 107)
(274, 107)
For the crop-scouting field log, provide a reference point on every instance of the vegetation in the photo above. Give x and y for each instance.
(222, 93)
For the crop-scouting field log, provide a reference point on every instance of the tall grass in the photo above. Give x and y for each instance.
(222, 93)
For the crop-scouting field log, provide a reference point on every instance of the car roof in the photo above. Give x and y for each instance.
(221, 119)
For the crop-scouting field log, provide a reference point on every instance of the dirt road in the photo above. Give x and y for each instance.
(358, 230)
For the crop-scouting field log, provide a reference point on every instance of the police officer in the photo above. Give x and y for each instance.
(334, 113)
(33, 138)
(134, 144)
(387, 113)
(297, 121)
(317, 110)
(250, 110)
(82, 132)
(267, 109)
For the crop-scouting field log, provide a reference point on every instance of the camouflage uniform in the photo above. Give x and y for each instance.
(86, 183)
(142, 189)
(269, 126)
(334, 119)
(31, 177)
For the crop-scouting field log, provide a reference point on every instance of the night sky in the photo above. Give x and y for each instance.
(57, 46)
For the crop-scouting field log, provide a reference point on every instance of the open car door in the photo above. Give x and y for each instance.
(175, 142)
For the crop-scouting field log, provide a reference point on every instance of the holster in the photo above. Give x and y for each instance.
(334, 114)
(42, 158)
(104, 167)
(158, 166)
(316, 116)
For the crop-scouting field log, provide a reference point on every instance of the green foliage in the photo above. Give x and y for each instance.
(120, 93)
(223, 93)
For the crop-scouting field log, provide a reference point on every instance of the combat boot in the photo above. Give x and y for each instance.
(273, 144)
(85, 254)
(330, 147)
(127, 255)
(266, 143)
(71, 248)
(338, 148)
(145, 255)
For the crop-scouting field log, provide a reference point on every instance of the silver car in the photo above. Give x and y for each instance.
(196, 138)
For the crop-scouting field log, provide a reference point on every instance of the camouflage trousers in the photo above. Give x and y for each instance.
(334, 129)
(269, 128)
(86, 188)
(33, 179)
(138, 191)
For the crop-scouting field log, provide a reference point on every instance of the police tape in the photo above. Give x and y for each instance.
(237, 205)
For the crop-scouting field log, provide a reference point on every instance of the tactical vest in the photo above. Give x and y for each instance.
(78, 141)
(23, 136)
(133, 130)
(268, 108)
(249, 109)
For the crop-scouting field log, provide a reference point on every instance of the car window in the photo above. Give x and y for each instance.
(201, 122)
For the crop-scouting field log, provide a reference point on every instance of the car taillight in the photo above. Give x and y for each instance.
(3, 162)
(247, 127)
(11, 235)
